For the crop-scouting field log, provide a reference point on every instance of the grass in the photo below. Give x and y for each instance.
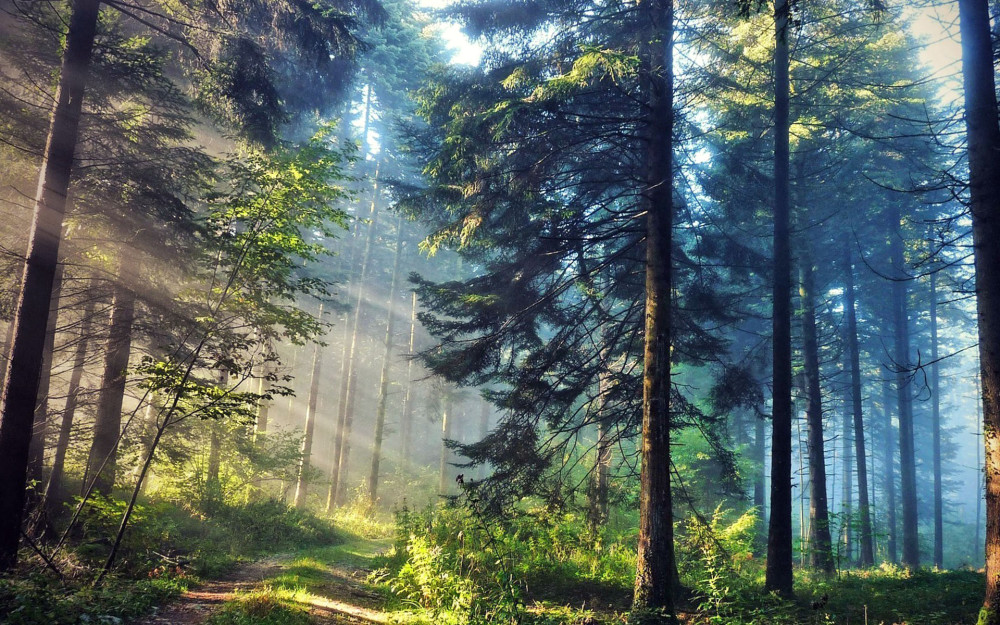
(266, 606)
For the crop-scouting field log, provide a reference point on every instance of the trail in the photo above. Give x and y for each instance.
(336, 595)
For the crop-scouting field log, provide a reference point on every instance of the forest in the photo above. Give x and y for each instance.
(469, 312)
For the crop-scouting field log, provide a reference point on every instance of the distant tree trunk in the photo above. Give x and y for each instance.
(305, 461)
(656, 569)
(263, 406)
(484, 429)
(20, 391)
(338, 436)
(848, 482)
(213, 486)
(890, 474)
(383, 387)
(984, 178)
(446, 419)
(819, 516)
(936, 430)
(599, 496)
(778, 575)
(345, 420)
(907, 457)
(759, 482)
(54, 487)
(407, 418)
(102, 461)
(867, 555)
(36, 451)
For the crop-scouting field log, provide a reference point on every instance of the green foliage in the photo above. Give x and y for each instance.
(40, 600)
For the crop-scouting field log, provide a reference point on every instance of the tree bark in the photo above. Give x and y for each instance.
(20, 391)
(36, 451)
(599, 491)
(655, 579)
(446, 419)
(778, 574)
(847, 486)
(892, 548)
(54, 486)
(867, 555)
(760, 482)
(936, 430)
(305, 461)
(101, 462)
(383, 387)
(821, 555)
(407, 418)
(984, 178)
(901, 340)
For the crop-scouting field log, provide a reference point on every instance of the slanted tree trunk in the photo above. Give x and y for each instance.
(408, 399)
(907, 457)
(54, 486)
(890, 474)
(36, 451)
(20, 391)
(936, 431)
(305, 460)
(984, 178)
(345, 420)
(102, 461)
(383, 387)
(867, 555)
(656, 569)
(778, 574)
(821, 556)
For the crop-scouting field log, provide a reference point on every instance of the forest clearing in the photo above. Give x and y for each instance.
(472, 312)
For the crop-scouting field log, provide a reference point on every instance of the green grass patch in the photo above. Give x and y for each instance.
(266, 606)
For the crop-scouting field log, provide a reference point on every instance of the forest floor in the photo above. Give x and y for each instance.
(327, 584)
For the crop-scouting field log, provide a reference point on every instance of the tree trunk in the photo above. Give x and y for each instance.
(599, 497)
(36, 451)
(407, 418)
(101, 462)
(984, 177)
(978, 551)
(54, 489)
(778, 576)
(446, 419)
(867, 555)
(759, 482)
(345, 420)
(847, 503)
(936, 431)
(213, 486)
(305, 461)
(20, 391)
(821, 556)
(890, 474)
(383, 387)
(656, 576)
(901, 340)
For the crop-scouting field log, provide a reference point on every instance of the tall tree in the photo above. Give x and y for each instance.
(983, 132)
(779, 538)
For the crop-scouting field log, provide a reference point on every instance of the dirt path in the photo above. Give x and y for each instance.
(342, 597)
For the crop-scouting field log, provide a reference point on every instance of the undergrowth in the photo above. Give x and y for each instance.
(169, 546)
